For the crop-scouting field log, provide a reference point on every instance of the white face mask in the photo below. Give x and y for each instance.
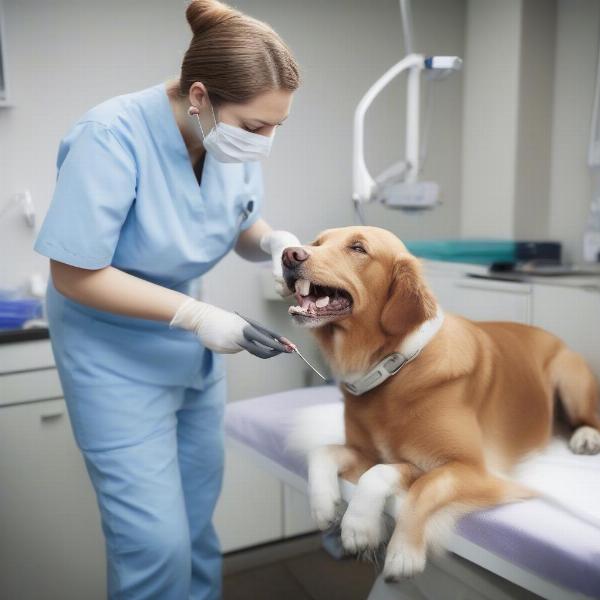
(231, 144)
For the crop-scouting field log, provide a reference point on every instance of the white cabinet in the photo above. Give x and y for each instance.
(296, 512)
(567, 307)
(573, 314)
(51, 544)
(255, 506)
(250, 509)
(482, 299)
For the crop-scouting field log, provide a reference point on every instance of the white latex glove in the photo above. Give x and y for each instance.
(226, 332)
(274, 243)
(218, 329)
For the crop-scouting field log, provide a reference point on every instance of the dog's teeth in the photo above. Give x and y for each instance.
(296, 310)
(303, 287)
(322, 302)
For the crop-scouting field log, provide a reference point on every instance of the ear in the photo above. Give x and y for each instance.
(409, 301)
(198, 95)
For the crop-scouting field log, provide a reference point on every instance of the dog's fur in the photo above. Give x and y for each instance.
(443, 432)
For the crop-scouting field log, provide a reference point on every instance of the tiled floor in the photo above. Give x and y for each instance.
(311, 576)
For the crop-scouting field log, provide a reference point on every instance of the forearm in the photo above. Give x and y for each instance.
(115, 291)
(248, 244)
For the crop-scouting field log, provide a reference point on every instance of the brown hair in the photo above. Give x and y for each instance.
(235, 56)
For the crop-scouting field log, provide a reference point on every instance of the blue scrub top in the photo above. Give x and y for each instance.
(126, 195)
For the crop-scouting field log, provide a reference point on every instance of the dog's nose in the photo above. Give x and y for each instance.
(293, 256)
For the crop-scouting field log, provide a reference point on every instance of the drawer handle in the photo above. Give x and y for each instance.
(52, 416)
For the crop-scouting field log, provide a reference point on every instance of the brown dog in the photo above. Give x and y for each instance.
(472, 399)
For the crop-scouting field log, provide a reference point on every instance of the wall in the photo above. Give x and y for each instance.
(530, 71)
(578, 36)
(65, 56)
(534, 142)
(491, 91)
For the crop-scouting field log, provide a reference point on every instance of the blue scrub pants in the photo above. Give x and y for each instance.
(155, 458)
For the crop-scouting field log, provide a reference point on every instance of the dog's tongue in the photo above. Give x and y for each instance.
(310, 303)
(306, 301)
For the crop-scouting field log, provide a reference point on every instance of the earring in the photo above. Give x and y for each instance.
(192, 110)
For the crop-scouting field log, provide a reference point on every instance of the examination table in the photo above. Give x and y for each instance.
(528, 549)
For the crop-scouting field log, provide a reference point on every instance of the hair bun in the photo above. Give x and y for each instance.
(204, 14)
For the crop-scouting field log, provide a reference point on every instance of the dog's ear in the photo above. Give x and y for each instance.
(409, 302)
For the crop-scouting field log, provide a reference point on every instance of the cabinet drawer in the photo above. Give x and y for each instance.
(25, 356)
(493, 300)
(52, 545)
(573, 314)
(29, 385)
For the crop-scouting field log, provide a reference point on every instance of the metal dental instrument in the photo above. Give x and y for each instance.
(254, 335)
(263, 342)
(304, 359)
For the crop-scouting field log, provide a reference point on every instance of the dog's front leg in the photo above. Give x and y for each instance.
(433, 503)
(363, 525)
(324, 465)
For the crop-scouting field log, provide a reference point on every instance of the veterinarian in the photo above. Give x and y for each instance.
(154, 188)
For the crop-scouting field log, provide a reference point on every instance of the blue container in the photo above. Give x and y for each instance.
(14, 313)
(472, 251)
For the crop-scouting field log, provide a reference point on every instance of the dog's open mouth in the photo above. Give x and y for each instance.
(315, 300)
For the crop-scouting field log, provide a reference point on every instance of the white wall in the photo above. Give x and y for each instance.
(530, 71)
(578, 36)
(491, 91)
(64, 57)
(67, 55)
(534, 129)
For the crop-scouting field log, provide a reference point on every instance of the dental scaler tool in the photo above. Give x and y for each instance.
(260, 338)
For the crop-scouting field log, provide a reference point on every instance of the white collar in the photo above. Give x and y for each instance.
(409, 349)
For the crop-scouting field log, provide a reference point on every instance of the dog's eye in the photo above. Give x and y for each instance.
(356, 247)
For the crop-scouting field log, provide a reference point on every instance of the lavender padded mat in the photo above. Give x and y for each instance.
(533, 534)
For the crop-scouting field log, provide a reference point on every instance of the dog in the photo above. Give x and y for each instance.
(441, 430)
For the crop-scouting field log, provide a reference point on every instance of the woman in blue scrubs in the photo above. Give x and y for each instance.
(153, 189)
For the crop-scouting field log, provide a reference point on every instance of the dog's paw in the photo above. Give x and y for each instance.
(403, 561)
(326, 509)
(585, 440)
(361, 530)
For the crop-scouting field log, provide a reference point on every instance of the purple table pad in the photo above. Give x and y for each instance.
(532, 534)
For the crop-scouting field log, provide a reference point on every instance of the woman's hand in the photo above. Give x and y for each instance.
(223, 331)
(217, 329)
(274, 243)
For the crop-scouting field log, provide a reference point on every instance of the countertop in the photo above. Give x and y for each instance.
(12, 336)
(588, 281)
